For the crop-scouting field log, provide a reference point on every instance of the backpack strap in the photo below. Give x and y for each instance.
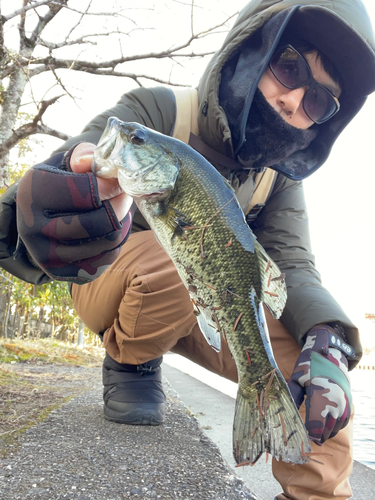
(186, 113)
(265, 182)
(186, 127)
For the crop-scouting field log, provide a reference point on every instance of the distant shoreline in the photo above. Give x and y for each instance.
(367, 363)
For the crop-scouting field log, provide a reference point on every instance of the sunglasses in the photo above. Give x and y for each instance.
(291, 69)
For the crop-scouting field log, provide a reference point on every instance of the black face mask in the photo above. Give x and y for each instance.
(269, 138)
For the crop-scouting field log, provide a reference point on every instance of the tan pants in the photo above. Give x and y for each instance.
(145, 310)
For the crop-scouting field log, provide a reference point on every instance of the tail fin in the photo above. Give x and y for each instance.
(269, 422)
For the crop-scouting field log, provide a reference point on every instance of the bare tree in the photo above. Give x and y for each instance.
(53, 37)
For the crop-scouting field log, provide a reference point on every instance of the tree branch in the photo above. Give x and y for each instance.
(79, 65)
(109, 72)
(89, 66)
(43, 129)
(48, 63)
(21, 26)
(33, 127)
(78, 41)
(79, 21)
(18, 67)
(59, 82)
(32, 5)
(54, 9)
(102, 14)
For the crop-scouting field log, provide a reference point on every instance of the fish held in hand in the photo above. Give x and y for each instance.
(196, 218)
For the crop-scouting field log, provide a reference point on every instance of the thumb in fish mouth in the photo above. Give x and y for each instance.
(109, 189)
(81, 158)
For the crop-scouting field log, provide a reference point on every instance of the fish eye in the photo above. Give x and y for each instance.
(138, 137)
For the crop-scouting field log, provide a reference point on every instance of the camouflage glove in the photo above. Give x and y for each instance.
(321, 374)
(67, 231)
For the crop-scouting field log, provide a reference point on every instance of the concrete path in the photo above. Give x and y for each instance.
(76, 454)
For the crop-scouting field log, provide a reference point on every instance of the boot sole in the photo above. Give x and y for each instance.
(146, 414)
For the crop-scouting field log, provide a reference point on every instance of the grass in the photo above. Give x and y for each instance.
(49, 351)
(35, 379)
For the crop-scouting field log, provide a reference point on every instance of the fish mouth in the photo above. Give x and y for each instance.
(140, 172)
(140, 186)
(145, 169)
(153, 196)
(102, 165)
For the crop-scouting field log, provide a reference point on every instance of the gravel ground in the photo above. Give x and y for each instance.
(76, 454)
(30, 391)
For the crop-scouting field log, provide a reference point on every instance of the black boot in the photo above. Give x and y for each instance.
(133, 394)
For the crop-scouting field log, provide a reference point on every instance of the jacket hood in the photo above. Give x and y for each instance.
(340, 29)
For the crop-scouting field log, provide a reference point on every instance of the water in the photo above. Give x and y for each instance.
(363, 389)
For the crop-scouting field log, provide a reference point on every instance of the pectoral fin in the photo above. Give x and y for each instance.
(178, 221)
(208, 328)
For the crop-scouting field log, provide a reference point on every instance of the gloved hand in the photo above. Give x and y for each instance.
(68, 231)
(321, 374)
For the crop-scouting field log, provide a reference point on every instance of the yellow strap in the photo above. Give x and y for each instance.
(186, 113)
(187, 121)
(264, 182)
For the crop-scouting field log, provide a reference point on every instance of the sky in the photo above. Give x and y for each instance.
(341, 205)
(340, 196)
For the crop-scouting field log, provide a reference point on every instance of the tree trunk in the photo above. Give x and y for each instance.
(20, 327)
(29, 332)
(12, 325)
(6, 316)
(81, 327)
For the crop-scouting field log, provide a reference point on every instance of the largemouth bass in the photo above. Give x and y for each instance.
(196, 218)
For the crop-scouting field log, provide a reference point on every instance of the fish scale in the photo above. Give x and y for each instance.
(196, 218)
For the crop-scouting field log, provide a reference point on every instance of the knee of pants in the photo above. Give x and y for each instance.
(140, 302)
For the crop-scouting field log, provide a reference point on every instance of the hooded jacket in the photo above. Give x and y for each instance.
(328, 25)
(282, 226)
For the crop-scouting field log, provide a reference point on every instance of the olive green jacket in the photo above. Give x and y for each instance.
(282, 225)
